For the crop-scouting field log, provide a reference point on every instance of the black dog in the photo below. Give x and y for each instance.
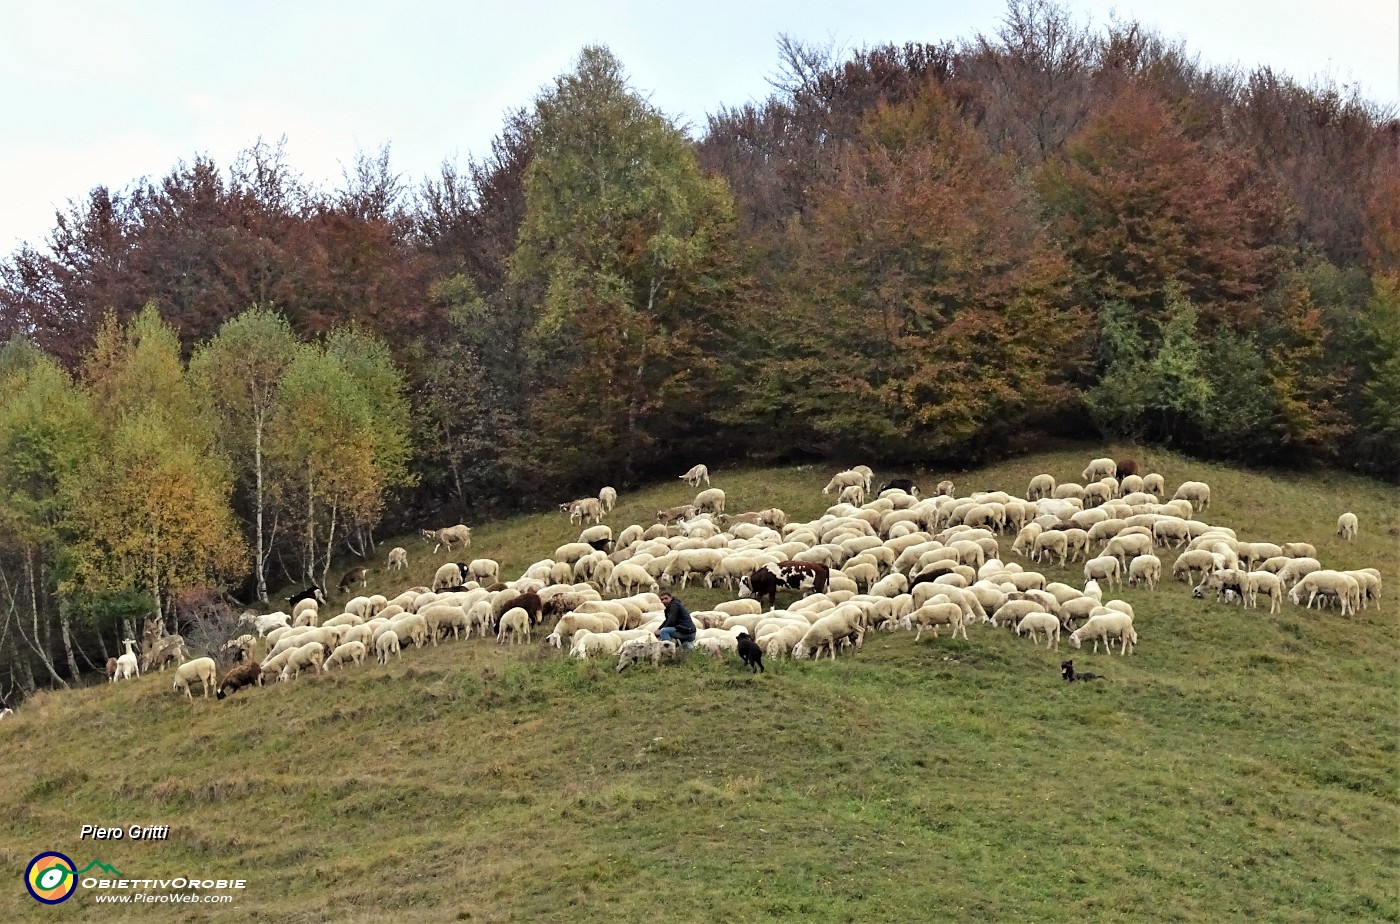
(751, 654)
(1070, 674)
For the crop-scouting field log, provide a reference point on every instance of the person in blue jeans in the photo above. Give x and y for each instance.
(678, 625)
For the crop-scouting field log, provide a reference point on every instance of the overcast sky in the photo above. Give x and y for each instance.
(102, 92)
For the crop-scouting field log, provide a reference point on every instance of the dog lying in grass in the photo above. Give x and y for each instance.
(1068, 672)
(751, 654)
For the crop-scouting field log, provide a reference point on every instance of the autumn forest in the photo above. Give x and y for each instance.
(224, 379)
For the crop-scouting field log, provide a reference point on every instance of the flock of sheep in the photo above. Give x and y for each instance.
(884, 560)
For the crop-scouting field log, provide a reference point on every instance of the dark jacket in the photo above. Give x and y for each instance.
(678, 618)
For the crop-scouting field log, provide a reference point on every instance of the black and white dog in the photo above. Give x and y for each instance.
(751, 654)
(1068, 672)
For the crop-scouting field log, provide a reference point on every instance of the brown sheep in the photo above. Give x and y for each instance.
(245, 676)
(1127, 467)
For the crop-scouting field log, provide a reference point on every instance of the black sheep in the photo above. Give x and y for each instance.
(750, 653)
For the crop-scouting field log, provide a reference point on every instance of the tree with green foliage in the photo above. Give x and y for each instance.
(151, 512)
(240, 370)
(629, 245)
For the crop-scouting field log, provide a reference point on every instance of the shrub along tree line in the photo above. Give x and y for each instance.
(906, 253)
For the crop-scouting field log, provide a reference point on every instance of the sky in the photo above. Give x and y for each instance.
(104, 92)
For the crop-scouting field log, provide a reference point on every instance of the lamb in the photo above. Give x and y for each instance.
(127, 665)
(201, 669)
(710, 500)
(514, 623)
(245, 675)
(852, 494)
(1347, 526)
(1106, 626)
(1032, 622)
(1197, 492)
(608, 498)
(350, 651)
(448, 535)
(385, 645)
(1105, 568)
(693, 476)
(639, 649)
(398, 558)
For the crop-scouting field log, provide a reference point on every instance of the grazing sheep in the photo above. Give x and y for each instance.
(268, 621)
(1126, 467)
(201, 669)
(1197, 492)
(1098, 468)
(852, 494)
(1104, 568)
(944, 489)
(1269, 585)
(483, 570)
(710, 500)
(311, 655)
(1154, 484)
(608, 498)
(1347, 526)
(1147, 568)
(385, 645)
(398, 558)
(448, 535)
(169, 650)
(693, 476)
(514, 623)
(1040, 486)
(1040, 621)
(1189, 562)
(1296, 568)
(350, 651)
(1344, 587)
(449, 575)
(673, 514)
(127, 665)
(245, 675)
(842, 480)
(1298, 550)
(1106, 626)
(933, 615)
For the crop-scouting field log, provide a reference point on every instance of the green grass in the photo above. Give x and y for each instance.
(1239, 766)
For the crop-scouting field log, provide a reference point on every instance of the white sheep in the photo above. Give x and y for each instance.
(127, 665)
(201, 669)
(1041, 486)
(852, 494)
(514, 623)
(1154, 484)
(1104, 568)
(608, 498)
(1197, 492)
(1347, 526)
(311, 656)
(1040, 621)
(385, 645)
(1344, 587)
(1106, 626)
(1145, 568)
(693, 476)
(398, 558)
(483, 570)
(845, 479)
(344, 654)
(1098, 468)
(933, 615)
(711, 499)
(449, 575)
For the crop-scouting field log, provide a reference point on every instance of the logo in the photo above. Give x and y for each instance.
(51, 878)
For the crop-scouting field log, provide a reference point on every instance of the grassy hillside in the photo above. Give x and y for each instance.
(1238, 766)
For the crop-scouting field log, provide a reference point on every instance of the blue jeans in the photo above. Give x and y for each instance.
(671, 633)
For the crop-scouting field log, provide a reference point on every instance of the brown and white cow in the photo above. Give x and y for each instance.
(804, 576)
